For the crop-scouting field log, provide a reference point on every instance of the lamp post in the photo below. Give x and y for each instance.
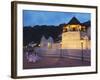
(82, 58)
(60, 50)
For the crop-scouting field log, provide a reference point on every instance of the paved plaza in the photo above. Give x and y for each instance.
(52, 62)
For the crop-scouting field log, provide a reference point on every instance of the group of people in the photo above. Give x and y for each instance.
(31, 55)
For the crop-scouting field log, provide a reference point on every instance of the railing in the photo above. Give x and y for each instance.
(66, 53)
(63, 53)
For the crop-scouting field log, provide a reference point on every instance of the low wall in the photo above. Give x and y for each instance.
(70, 53)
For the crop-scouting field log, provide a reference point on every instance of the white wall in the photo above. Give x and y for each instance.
(5, 40)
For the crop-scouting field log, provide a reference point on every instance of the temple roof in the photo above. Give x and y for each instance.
(74, 20)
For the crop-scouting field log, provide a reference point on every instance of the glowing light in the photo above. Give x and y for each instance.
(49, 45)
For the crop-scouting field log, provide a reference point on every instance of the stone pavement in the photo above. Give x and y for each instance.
(52, 62)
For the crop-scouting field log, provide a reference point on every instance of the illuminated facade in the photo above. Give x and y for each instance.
(71, 36)
(74, 25)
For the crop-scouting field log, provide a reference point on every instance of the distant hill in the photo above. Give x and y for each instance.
(87, 24)
(34, 33)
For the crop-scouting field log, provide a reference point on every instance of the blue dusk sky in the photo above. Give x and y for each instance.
(32, 18)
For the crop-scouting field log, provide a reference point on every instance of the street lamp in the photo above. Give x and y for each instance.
(82, 57)
(60, 50)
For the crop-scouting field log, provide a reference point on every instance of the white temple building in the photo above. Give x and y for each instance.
(48, 43)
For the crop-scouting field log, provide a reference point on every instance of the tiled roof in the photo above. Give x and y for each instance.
(74, 20)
